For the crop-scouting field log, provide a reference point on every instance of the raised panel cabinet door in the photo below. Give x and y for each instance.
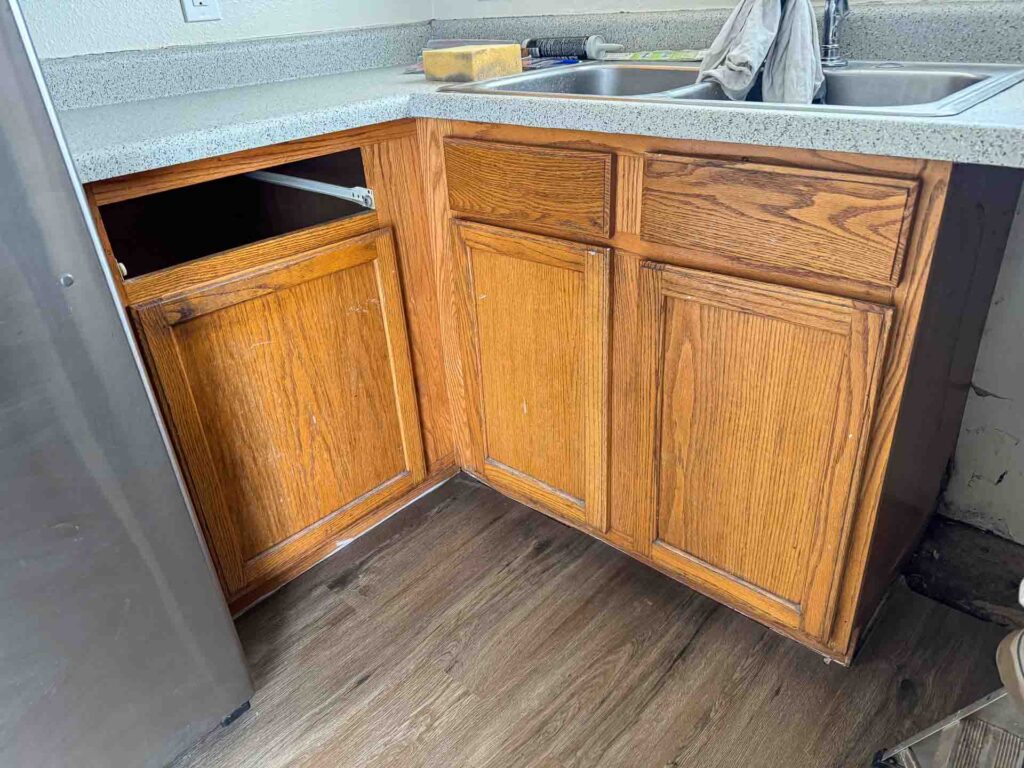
(537, 353)
(760, 406)
(290, 397)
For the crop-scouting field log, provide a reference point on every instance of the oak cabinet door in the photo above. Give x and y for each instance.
(761, 401)
(537, 354)
(288, 390)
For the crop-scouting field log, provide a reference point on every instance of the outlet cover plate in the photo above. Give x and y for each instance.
(201, 10)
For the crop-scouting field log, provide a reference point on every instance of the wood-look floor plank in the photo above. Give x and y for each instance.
(472, 631)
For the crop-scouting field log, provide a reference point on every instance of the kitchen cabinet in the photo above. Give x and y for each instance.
(787, 336)
(743, 366)
(538, 356)
(761, 399)
(275, 320)
(290, 392)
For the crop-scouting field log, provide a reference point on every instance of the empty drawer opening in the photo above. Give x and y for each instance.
(161, 230)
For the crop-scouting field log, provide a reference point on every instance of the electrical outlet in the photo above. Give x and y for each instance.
(201, 10)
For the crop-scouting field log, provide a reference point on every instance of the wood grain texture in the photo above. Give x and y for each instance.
(764, 396)
(633, 426)
(108, 252)
(630, 424)
(362, 528)
(529, 337)
(183, 278)
(791, 219)
(596, 141)
(539, 315)
(561, 191)
(394, 172)
(471, 631)
(876, 528)
(629, 193)
(290, 397)
(965, 568)
(453, 302)
(855, 606)
(184, 174)
(968, 250)
(630, 149)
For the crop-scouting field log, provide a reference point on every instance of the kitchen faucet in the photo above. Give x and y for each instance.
(835, 12)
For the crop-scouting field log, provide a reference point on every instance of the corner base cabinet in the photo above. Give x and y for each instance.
(290, 392)
(744, 366)
(291, 334)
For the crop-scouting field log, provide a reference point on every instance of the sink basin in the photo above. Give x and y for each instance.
(887, 88)
(895, 86)
(593, 80)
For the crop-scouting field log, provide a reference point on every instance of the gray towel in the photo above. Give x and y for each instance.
(740, 49)
(792, 72)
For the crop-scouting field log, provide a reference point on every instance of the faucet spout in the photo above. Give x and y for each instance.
(835, 12)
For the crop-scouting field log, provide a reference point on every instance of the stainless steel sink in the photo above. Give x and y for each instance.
(887, 88)
(895, 85)
(592, 80)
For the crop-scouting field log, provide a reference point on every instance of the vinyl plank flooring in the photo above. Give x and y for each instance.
(472, 631)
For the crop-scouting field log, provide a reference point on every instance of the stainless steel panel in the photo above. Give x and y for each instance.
(895, 86)
(867, 87)
(599, 80)
(116, 647)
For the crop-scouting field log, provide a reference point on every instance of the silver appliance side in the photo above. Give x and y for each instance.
(116, 646)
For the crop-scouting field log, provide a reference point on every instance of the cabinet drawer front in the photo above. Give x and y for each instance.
(561, 190)
(539, 326)
(763, 396)
(290, 397)
(792, 220)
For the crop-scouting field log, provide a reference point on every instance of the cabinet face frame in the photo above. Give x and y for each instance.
(593, 265)
(875, 537)
(156, 322)
(864, 328)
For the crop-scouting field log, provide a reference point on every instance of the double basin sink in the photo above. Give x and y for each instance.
(885, 88)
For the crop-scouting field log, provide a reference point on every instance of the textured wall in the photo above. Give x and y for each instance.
(72, 27)
(458, 9)
(987, 485)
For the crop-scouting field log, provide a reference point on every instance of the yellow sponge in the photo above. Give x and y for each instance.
(472, 62)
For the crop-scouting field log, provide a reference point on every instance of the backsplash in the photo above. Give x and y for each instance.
(109, 78)
(955, 31)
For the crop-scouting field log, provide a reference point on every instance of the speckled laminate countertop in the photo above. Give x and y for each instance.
(117, 139)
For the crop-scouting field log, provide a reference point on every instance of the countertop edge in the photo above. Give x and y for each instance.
(957, 140)
(201, 144)
(918, 138)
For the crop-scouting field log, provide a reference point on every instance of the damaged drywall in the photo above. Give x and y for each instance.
(986, 486)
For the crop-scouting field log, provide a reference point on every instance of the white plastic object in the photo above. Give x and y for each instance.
(597, 47)
(201, 10)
